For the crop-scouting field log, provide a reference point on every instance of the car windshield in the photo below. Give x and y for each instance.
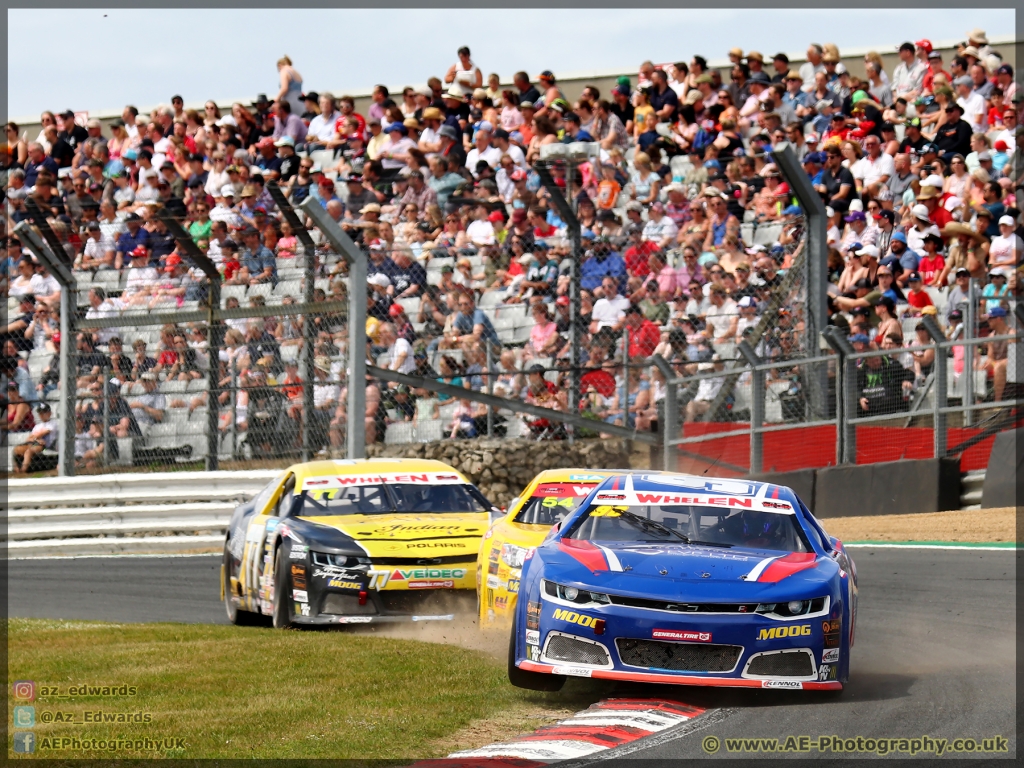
(696, 524)
(387, 498)
(551, 502)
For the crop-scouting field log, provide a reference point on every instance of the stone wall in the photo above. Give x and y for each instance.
(502, 468)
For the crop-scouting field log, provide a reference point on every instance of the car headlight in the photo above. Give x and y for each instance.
(792, 608)
(340, 561)
(513, 556)
(574, 595)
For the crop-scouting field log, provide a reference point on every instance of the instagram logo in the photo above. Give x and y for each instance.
(24, 690)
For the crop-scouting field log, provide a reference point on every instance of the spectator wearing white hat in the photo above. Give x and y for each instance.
(1007, 249)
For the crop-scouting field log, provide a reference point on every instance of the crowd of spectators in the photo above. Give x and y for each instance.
(439, 185)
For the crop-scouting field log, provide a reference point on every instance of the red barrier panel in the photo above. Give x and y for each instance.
(815, 447)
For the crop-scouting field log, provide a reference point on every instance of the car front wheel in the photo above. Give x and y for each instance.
(282, 592)
(532, 681)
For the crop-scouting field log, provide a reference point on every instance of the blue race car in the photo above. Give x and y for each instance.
(668, 578)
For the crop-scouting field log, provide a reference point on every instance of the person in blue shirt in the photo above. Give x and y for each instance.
(603, 261)
(814, 164)
(130, 240)
(257, 259)
(471, 324)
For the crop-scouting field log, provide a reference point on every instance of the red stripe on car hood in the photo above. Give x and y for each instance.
(787, 566)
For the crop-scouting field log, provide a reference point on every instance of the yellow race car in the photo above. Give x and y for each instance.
(548, 498)
(355, 542)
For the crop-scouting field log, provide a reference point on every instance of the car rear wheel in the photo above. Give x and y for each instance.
(282, 592)
(532, 681)
(236, 615)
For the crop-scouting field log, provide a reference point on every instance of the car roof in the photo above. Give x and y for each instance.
(576, 475)
(364, 466)
(718, 486)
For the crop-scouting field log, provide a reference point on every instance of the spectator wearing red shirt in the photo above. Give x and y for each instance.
(541, 227)
(931, 263)
(636, 255)
(644, 335)
(917, 297)
(931, 198)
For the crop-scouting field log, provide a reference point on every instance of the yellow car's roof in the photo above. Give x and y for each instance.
(364, 466)
(575, 475)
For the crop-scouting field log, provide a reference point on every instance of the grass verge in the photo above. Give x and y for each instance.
(233, 692)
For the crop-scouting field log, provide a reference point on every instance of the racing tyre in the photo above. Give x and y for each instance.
(282, 593)
(532, 681)
(236, 615)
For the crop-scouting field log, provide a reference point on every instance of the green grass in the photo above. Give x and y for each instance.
(257, 693)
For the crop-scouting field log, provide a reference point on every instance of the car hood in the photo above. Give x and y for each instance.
(418, 535)
(633, 563)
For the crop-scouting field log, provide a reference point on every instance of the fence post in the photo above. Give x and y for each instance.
(106, 419)
(214, 330)
(624, 393)
(670, 412)
(565, 211)
(939, 384)
(757, 394)
(816, 259)
(969, 334)
(490, 390)
(68, 307)
(356, 406)
(846, 396)
(233, 428)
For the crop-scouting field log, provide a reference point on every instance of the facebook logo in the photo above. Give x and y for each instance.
(25, 742)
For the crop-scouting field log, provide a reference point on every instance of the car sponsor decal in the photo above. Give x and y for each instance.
(492, 568)
(512, 586)
(326, 482)
(298, 552)
(777, 633)
(562, 490)
(493, 582)
(572, 617)
(300, 595)
(337, 572)
(585, 478)
(532, 637)
(683, 635)
(432, 584)
(573, 671)
(302, 609)
(534, 652)
(500, 602)
(533, 615)
(441, 617)
(830, 656)
(341, 584)
(832, 631)
(381, 578)
(793, 684)
(354, 619)
(827, 672)
(298, 576)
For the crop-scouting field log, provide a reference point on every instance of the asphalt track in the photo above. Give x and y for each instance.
(935, 649)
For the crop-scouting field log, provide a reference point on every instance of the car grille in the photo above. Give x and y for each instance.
(424, 561)
(784, 664)
(679, 606)
(575, 651)
(678, 657)
(346, 605)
